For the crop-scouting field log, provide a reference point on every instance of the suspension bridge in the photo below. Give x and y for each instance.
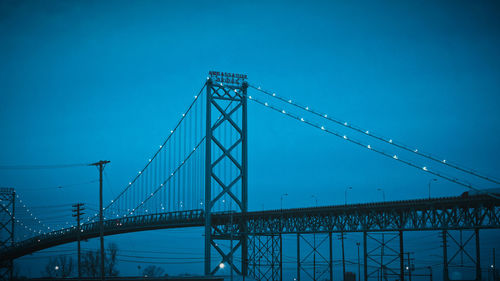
(198, 177)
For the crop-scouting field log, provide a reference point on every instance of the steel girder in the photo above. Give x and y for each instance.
(7, 218)
(435, 214)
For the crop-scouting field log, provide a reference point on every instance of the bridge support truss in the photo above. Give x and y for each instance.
(7, 218)
(312, 261)
(265, 257)
(387, 259)
(462, 245)
(226, 170)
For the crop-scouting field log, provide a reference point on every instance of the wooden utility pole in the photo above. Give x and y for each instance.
(100, 165)
(77, 212)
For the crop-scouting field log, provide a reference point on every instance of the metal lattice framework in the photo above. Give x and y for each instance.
(265, 257)
(7, 211)
(226, 111)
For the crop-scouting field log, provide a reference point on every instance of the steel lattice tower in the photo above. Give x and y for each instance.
(226, 106)
(7, 209)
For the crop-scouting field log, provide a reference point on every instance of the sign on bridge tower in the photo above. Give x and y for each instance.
(226, 165)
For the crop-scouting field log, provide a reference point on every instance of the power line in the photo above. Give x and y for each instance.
(39, 167)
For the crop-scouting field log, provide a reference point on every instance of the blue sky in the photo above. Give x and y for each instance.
(86, 80)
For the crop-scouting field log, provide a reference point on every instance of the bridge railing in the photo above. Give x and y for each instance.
(117, 223)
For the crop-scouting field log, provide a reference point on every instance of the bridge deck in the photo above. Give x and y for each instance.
(480, 212)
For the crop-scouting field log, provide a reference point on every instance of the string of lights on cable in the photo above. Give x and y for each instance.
(376, 136)
(372, 148)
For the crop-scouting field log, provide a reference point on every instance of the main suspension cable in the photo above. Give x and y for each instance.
(161, 147)
(395, 157)
(368, 133)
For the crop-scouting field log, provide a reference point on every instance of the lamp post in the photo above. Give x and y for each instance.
(430, 181)
(383, 193)
(315, 198)
(281, 200)
(345, 194)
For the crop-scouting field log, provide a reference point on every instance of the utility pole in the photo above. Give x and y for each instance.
(409, 267)
(77, 212)
(343, 256)
(100, 165)
(494, 265)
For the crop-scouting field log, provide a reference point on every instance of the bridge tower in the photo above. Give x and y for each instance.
(226, 149)
(7, 210)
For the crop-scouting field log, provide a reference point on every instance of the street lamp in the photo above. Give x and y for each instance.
(315, 198)
(383, 193)
(281, 200)
(430, 181)
(345, 194)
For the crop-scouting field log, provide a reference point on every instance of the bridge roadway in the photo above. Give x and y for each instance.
(449, 213)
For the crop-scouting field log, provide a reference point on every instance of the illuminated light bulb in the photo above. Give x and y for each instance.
(283, 111)
(444, 161)
(369, 147)
(395, 157)
(172, 174)
(274, 94)
(326, 116)
(367, 132)
(151, 193)
(250, 97)
(307, 107)
(140, 172)
(183, 114)
(266, 104)
(221, 84)
(129, 183)
(345, 137)
(345, 123)
(390, 141)
(258, 87)
(235, 91)
(302, 119)
(416, 150)
(149, 160)
(171, 131)
(195, 97)
(424, 168)
(289, 101)
(322, 128)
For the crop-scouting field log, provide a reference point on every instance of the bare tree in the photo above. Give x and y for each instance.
(153, 271)
(110, 260)
(60, 266)
(91, 261)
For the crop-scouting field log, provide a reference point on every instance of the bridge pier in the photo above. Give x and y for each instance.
(387, 253)
(265, 257)
(461, 245)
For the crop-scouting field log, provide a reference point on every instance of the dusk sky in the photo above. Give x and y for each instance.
(82, 81)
